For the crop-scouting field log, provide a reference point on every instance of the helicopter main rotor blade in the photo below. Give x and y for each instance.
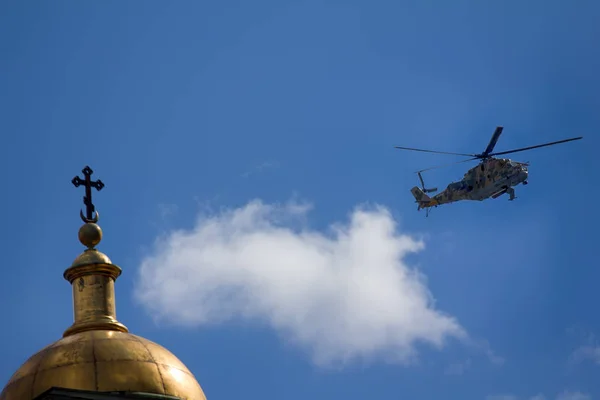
(448, 165)
(421, 179)
(493, 141)
(433, 151)
(534, 147)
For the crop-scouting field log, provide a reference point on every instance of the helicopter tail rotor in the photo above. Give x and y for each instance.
(423, 188)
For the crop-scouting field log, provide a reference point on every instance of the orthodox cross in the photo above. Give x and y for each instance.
(87, 199)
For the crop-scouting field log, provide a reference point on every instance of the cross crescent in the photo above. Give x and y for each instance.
(91, 215)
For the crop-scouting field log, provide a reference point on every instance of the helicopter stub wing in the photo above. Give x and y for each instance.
(499, 193)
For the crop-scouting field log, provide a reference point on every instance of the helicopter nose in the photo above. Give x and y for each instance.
(523, 175)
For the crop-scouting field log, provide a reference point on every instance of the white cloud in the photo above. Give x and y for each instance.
(458, 368)
(584, 353)
(167, 210)
(589, 350)
(562, 396)
(259, 168)
(573, 396)
(344, 295)
(538, 397)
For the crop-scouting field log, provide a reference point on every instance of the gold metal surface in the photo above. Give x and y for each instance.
(91, 257)
(103, 361)
(93, 297)
(97, 353)
(90, 235)
(92, 276)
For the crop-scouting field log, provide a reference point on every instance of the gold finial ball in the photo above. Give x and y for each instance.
(90, 235)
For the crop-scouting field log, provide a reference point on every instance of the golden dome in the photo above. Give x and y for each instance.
(103, 361)
(97, 353)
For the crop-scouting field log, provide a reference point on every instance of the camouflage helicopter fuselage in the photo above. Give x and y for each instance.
(491, 178)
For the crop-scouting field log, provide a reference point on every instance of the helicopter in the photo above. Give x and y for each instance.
(491, 178)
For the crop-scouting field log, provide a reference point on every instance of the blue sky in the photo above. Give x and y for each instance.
(246, 149)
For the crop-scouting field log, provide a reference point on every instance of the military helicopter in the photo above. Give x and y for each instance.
(491, 178)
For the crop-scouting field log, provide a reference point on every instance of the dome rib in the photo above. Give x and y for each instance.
(162, 380)
(37, 368)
